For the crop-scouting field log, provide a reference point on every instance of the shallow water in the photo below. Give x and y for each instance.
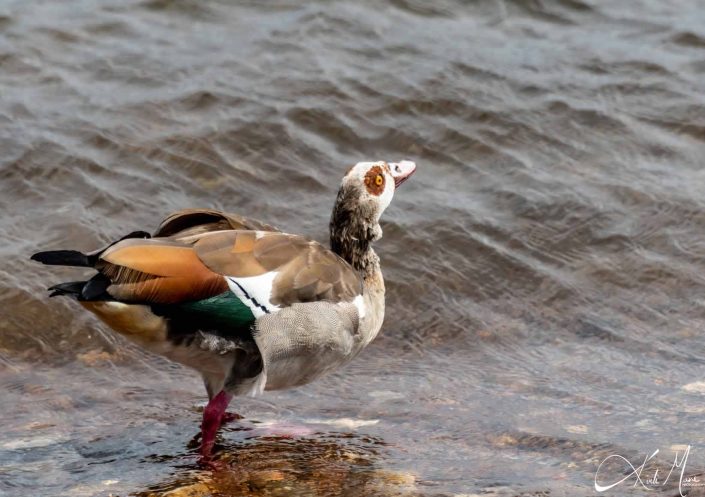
(544, 266)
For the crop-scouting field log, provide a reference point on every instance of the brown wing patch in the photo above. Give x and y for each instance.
(230, 253)
(190, 222)
(158, 271)
(306, 271)
(374, 180)
(316, 275)
(277, 251)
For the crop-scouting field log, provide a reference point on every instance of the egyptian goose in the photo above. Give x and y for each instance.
(247, 306)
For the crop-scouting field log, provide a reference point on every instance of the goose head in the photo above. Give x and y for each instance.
(365, 192)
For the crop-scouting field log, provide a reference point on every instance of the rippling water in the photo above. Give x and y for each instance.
(544, 266)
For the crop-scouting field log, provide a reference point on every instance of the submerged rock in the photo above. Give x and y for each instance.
(194, 490)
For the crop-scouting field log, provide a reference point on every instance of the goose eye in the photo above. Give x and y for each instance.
(374, 181)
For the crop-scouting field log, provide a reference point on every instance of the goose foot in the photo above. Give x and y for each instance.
(229, 417)
(212, 464)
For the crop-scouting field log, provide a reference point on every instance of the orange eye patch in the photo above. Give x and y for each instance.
(374, 180)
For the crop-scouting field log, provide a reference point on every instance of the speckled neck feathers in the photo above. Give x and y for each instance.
(353, 227)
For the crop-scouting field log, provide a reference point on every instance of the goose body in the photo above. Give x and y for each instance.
(247, 306)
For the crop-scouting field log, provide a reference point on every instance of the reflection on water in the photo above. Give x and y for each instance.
(325, 464)
(544, 266)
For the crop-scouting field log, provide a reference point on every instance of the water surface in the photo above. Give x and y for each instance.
(544, 266)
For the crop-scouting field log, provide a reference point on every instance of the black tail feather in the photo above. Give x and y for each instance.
(95, 288)
(72, 288)
(79, 259)
(92, 289)
(63, 258)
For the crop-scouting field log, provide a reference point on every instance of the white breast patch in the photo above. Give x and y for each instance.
(255, 292)
(359, 302)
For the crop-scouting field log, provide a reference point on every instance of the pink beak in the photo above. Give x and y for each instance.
(401, 171)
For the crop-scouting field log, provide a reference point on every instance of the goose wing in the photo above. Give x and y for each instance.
(272, 270)
(190, 222)
(266, 270)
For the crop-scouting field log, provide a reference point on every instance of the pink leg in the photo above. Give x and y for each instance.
(212, 419)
